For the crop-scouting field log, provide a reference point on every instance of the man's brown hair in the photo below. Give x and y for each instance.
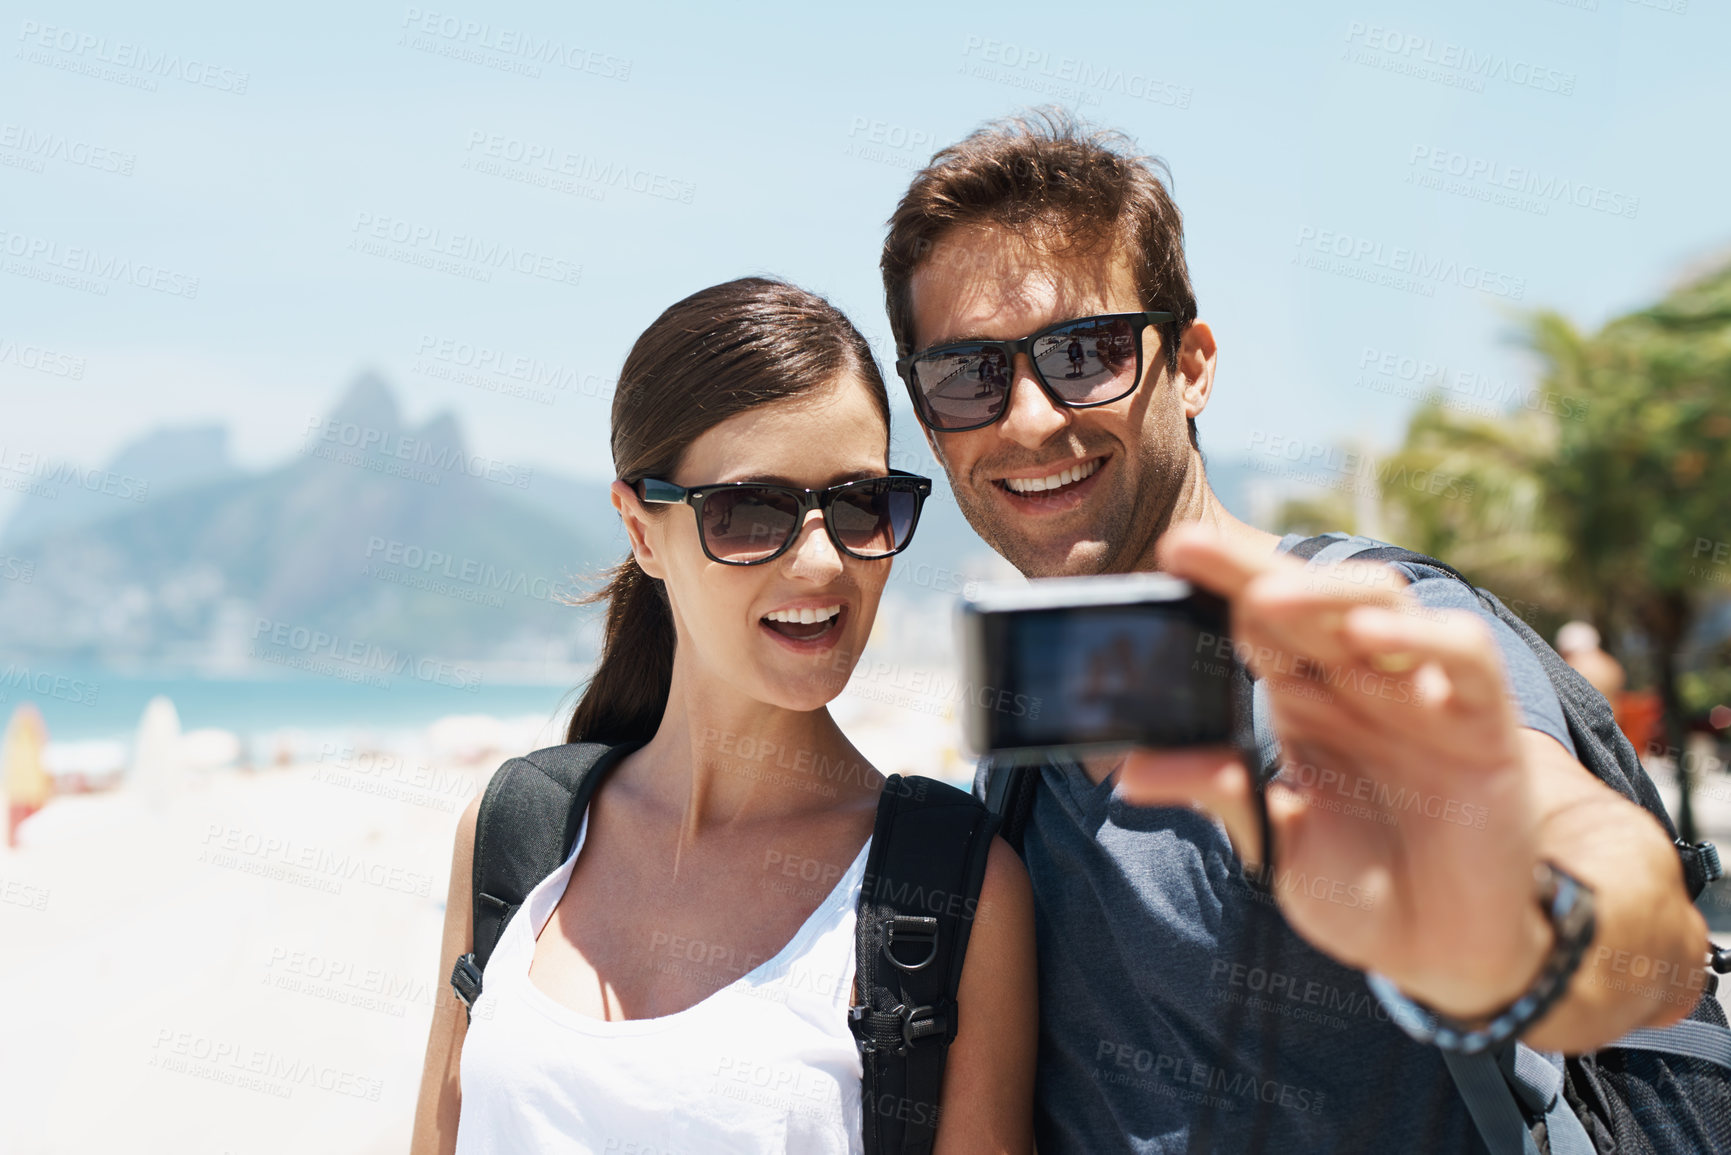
(1059, 183)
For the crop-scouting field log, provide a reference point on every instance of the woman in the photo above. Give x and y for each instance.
(611, 1017)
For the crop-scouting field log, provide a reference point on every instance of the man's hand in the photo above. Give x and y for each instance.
(1412, 804)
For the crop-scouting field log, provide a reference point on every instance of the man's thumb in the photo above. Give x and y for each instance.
(1213, 779)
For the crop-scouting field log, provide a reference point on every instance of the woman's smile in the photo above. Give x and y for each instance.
(808, 626)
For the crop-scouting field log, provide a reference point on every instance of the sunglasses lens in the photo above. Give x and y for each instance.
(875, 518)
(747, 523)
(962, 385)
(1090, 361)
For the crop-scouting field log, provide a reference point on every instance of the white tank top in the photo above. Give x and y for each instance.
(766, 1064)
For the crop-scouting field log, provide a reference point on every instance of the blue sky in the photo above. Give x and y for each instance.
(298, 160)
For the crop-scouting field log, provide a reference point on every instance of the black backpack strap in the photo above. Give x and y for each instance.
(916, 910)
(1009, 795)
(1311, 546)
(526, 826)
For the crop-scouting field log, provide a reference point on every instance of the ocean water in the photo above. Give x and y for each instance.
(80, 705)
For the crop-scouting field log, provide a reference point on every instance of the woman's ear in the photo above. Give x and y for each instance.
(639, 527)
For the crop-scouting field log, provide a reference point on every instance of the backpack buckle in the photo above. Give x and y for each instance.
(913, 929)
(1701, 866)
(915, 1027)
(466, 980)
(896, 1031)
(1710, 861)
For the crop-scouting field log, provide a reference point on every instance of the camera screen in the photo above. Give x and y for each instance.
(1148, 674)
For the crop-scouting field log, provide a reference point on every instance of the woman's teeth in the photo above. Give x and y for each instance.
(1055, 481)
(804, 617)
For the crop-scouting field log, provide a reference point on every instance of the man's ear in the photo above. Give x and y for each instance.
(932, 444)
(1196, 360)
(637, 528)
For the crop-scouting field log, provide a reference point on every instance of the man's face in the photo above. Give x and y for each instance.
(1108, 477)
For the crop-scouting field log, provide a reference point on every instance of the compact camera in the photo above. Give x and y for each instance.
(1078, 666)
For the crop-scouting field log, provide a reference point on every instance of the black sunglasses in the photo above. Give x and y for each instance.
(1079, 364)
(749, 523)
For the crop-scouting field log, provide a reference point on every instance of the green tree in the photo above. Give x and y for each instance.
(1606, 492)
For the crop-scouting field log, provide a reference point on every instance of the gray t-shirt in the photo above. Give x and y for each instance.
(1177, 1007)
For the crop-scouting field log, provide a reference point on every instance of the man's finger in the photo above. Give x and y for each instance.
(1214, 562)
(1457, 642)
(1212, 779)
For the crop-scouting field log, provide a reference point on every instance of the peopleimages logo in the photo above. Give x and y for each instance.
(44, 469)
(1468, 390)
(1314, 461)
(368, 442)
(1041, 71)
(80, 50)
(445, 34)
(534, 372)
(429, 246)
(583, 168)
(41, 359)
(62, 687)
(464, 570)
(1447, 62)
(1490, 178)
(104, 267)
(1398, 266)
(46, 146)
(354, 659)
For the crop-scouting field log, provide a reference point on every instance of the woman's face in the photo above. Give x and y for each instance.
(723, 612)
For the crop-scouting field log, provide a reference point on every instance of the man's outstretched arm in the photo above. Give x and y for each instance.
(1404, 704)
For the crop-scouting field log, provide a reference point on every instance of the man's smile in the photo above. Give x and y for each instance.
(1053, 487)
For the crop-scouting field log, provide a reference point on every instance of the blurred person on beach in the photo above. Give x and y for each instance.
(1578, 643)
(1153, 911)
(28, 784)
(729, 628)
(1638, 712)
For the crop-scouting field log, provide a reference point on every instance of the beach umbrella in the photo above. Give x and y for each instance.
(27, 783)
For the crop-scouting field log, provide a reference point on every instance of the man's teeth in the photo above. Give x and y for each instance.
(805, 617)
(1057, 480)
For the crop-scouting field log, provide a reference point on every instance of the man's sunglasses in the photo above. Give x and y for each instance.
(1081, 363)
(748, 523)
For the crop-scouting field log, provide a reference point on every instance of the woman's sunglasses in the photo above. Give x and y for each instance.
(748, 523)
(1081, 363)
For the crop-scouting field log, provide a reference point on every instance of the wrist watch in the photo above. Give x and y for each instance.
(1567, 903)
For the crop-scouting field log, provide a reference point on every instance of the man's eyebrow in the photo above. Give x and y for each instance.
(975, 335)
(962, 338)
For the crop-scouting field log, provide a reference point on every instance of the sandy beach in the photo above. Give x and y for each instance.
(247, 964)
(248, 967)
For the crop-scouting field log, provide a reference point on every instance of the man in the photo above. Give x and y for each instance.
(1180, 1008)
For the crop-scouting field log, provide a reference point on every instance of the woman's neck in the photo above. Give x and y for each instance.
(720, 757)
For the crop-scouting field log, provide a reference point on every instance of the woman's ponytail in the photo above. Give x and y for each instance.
(627, 694)
(721, 351)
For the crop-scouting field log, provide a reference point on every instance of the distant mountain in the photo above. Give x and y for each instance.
(166, 462)
(377, 538)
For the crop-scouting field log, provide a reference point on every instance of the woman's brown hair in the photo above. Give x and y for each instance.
(719, 352)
